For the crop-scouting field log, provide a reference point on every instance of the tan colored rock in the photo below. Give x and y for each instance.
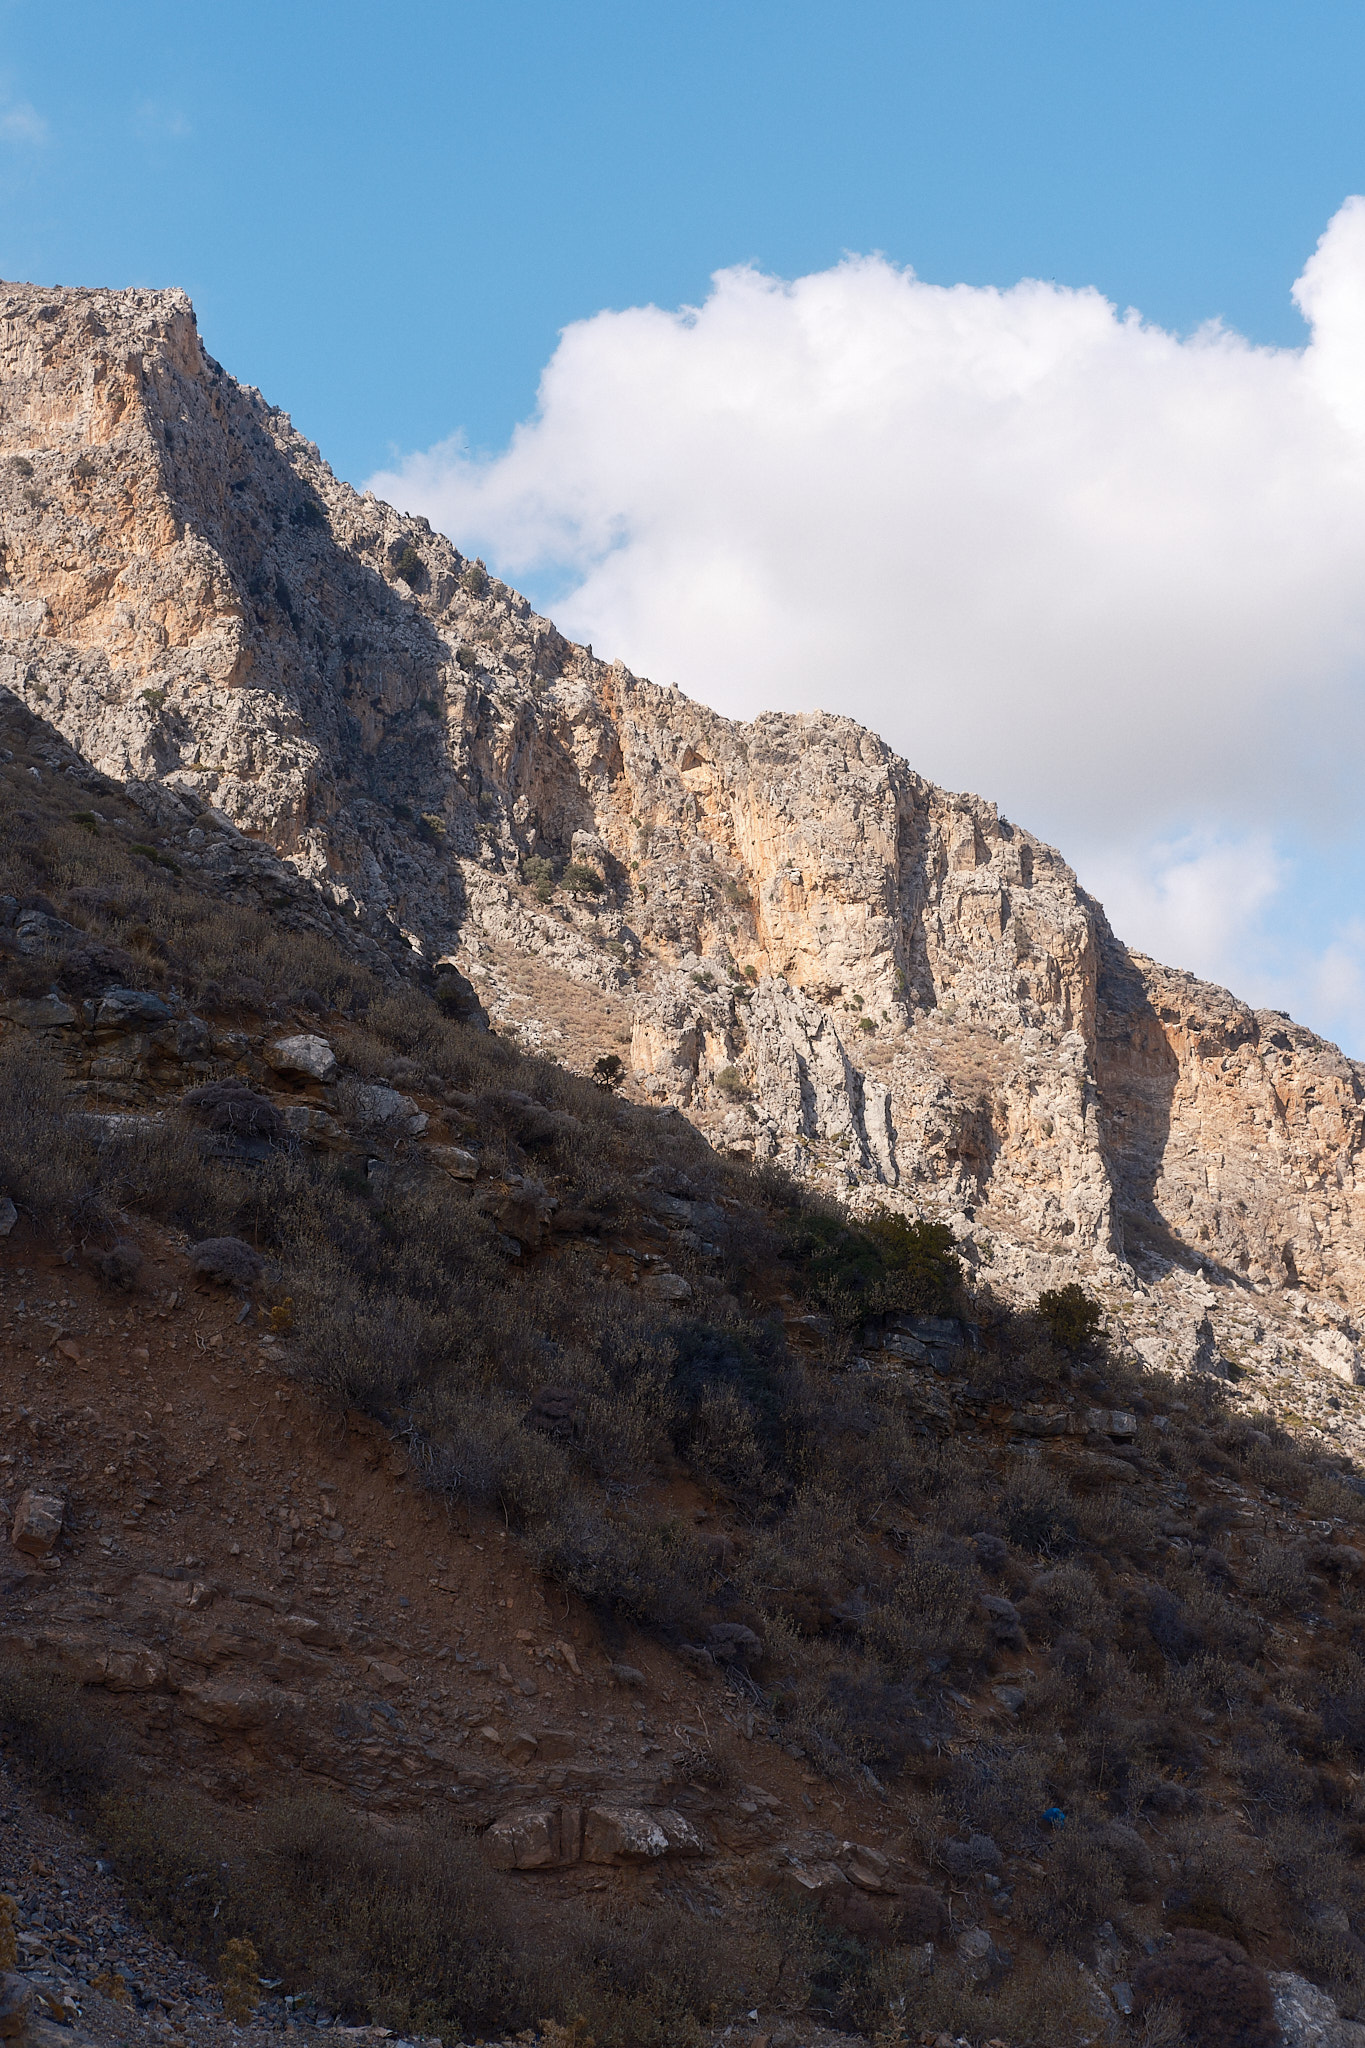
(635, 1834)
(37, 1522)
(454, 1160)
(889, 988)
(534, 1838)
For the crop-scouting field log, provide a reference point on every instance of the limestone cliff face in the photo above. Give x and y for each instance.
(826, 960)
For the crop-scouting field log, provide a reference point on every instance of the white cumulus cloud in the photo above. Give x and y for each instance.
(1111, 576)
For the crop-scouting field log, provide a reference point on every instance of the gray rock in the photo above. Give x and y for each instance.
(16, 2007)
(379, 1108)
(9, 1215)
(1308, 2017)
(38, 1013)
(306, 1120)
(1002, 1618)
(1117, 1423)
(121, 1008)
(305, 1054)
(454, 1160)
(666, 1286)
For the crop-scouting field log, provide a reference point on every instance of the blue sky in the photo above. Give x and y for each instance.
(389, 216)
(386, 213)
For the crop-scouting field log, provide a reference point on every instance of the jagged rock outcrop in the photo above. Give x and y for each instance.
(827, 960)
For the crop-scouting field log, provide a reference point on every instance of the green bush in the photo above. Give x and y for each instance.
(539, 875)
(409, 566)
(474, 582)
(731, 1082)
(581, 880)
(1072, 1318)
(888, 1264)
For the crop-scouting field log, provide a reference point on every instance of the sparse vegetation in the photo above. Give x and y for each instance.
(408, 566)
(539, 875)
(407, 1928)
(896, 1539)
(582, 880)
(1073, 1320)
(886, 1264)
(474, 581)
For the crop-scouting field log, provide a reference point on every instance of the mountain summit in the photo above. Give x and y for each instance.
(791, 937)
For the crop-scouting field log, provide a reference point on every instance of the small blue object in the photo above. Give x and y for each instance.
(1054, 1816)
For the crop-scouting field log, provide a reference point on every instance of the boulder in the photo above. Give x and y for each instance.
(305, 1055)
(535, 1838)
(9, 1215)
(666, 1287)
(454, 1160)
(1117, 1423)
(37, 1522)
(1335, 1353)
(381, 1108)
(1002, 1618)
(1046, 1422)
(305, 1120)
(634, 1834)
(227, 1706)
(16, 2006)
(457, 996)
(38, 1013)
(866, 1867)
(979, 1955)
(521, 1209)
(122, 1008)
(1308, 2017)
(813, 1882)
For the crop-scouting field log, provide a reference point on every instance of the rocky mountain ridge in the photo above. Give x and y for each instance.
(817, 956)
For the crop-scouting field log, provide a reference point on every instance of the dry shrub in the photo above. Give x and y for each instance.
(48, 1728)
(1035, 2005)
(1223, 1998)
(412, 1930)
(46, 1160)
(1083, 1887)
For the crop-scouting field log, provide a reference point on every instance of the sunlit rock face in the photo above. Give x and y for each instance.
(825, 960)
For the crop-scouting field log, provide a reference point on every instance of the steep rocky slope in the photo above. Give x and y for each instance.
(537, 1490)
(813, 953)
